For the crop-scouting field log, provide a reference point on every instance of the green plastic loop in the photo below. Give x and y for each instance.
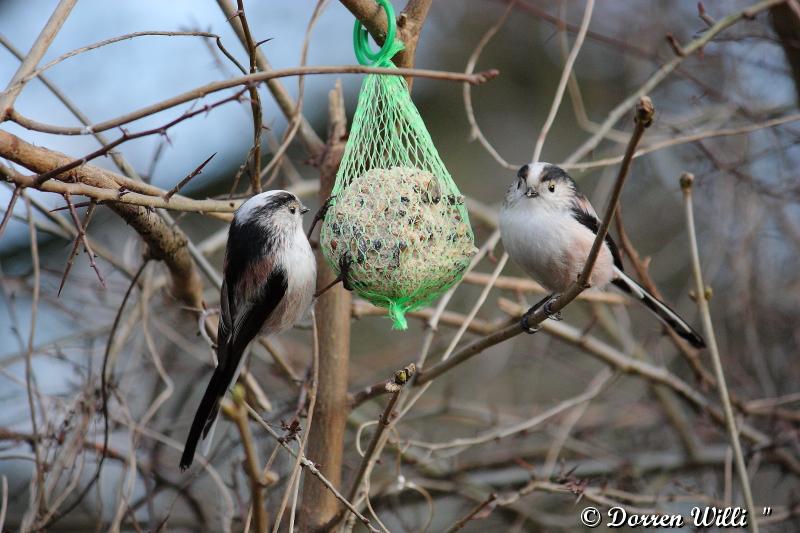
(383, 57)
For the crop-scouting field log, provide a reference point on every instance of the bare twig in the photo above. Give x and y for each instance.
(311, 467)
(294, 479)
(38, 72)
(687, 139)
(618, 112)
(170, 193)
(83, 238)
(98, 184)
(104, 406)
(494, 435)
(3, 500)
(708, 329)
(125, 137)
(395, 386)
(562, 83)
(475, 130)
(37, 483)
(313, 144)
(296, 121)
(255, 103)
(37, 51)
(204, 90)
(10, 209)
(238, 412)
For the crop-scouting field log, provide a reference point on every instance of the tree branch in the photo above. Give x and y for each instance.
(165, 243)
(326, 439)
(199, 92)
(40, 46)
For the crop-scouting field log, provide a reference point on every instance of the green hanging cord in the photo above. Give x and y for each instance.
(383, 57)
(397, 312)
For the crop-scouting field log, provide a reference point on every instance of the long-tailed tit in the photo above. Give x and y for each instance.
(269, 275)
(548, 228)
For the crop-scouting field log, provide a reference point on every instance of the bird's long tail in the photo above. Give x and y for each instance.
(205, 417)
(659, 308)
(225, 375)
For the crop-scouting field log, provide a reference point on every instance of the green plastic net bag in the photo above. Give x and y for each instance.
(395, 212)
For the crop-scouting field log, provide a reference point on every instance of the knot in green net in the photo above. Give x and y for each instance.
(396, 213)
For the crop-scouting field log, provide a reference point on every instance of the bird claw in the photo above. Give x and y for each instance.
(530, 330)
(546, 303)
(344, 270)
(320, 214)
(556, 316)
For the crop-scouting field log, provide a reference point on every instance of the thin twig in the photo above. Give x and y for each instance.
(562, 83)
(170, 193)
(486, 505)
(3, 501)
(708, 329)
(312, 400)
(313, 144)
(204, 90)
(125, 137)
(38, 486)
(37, 51)
(647, 87)
(494, 435)
(83, 238)
(475, 130)
(238, 412)
(297, 117)
(395, 386)
(255, 104)
(686, 139)
(10, 209)
(104, 405)
(311, 467)
(38, 72)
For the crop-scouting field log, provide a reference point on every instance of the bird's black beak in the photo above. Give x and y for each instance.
(530, 192)
(303, 209)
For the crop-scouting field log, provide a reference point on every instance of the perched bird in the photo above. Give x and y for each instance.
(269, 275)
(548, 228)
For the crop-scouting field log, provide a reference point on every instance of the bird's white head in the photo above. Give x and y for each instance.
(276, 210)
(541, 185)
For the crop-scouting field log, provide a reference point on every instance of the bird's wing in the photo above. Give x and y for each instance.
(584, 213)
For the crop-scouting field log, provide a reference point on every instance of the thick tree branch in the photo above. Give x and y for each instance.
(326, 440)
(409, 26)
(165, 243)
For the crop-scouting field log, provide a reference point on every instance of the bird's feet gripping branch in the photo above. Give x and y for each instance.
(344, 275)
(319, 216)
(546, 302)
(344, 261)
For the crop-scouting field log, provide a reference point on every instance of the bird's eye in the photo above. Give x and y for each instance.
(551, 187)
(293, 210)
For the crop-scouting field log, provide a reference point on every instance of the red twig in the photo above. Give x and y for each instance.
(80, 238)
(170, 193)
(162, 130)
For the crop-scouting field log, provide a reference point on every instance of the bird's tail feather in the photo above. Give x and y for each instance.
(203, 418)
(666, 315)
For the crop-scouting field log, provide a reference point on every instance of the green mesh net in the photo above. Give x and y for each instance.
(396, 213)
